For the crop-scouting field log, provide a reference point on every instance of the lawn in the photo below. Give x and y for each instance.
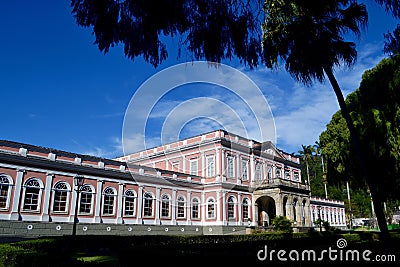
(228, 250)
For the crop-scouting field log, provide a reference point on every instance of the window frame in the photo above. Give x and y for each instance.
(180, 207)
(194, 171)
(39, 195)
(110, 198)
(7, 195)
(55, 201)
(210, 166)
(132, 203)
(165, 206)
(148, 205)
(211, 208)
(195, 208)
(89, 193)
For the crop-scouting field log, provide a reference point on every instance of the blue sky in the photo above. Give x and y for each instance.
(59, 91)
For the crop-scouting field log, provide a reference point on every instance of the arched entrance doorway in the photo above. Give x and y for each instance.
(266, 210)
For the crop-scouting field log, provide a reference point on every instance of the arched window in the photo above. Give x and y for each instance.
(129, 203)
(148, 205)
(165, 203)
(245, 209)
(108, 201)
(32, 194)
(231, 207)
(181, 207)
(195, 208)
(86, 196)
(5, 184)
(60, 197)
(210, 209)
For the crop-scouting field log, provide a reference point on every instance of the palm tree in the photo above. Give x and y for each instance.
(308, 36)
(306, 154)
(318, 152)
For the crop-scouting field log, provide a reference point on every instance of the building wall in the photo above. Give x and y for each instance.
(154, 189)
(332, 211)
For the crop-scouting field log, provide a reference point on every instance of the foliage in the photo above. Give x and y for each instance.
(210, 29)
(375, 109)
(282, 223)
(308, 36)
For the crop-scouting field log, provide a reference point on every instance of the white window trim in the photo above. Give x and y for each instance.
(68, 190)
(39, 204)
(134, 203)
(196, 171)
(10, 186)
(93, 193)
(210, 159)
(114, 195)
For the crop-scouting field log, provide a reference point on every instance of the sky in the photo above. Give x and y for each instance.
(59, 91)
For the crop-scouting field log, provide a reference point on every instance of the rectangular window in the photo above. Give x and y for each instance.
(258, 172)
(181, 209)
(129, 206)
(278, 172)
(108, 206)
(195, 210)
(165, 208)
(287, 174)
(230, 167)
(193, 167)
(86, 203)
(31, 199)
(60, 201)
(148, 207)
(210, 166)
(210, 210)
(244, 169)
(3, 195)
(296, 176)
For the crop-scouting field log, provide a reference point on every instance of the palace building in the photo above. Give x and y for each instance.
(214, 183)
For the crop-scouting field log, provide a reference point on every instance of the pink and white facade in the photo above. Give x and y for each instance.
(198, 185)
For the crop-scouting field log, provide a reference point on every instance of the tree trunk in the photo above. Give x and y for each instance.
(355, 139)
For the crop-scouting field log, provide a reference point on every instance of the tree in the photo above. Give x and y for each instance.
(375, 109)
(318, 152)
(210, 29)
(308, 37)
(392, 43)
(306, 155)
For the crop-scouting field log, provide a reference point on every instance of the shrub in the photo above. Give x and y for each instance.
(283, 224)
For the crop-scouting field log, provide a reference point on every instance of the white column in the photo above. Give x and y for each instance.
(239, 209)
(238, 172)
(173, 206)
(218, 207)
(223, 207)
(218, 171)
(188, 208)
(203, 164)
(203, 208)
(254, 207)
(74, 195)
(223, 168)
(120, 202)
(252, 169)
(140, 204)
(157, 203)
(17, 195)
(99, 193)
(184, 164)
(46, 199)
